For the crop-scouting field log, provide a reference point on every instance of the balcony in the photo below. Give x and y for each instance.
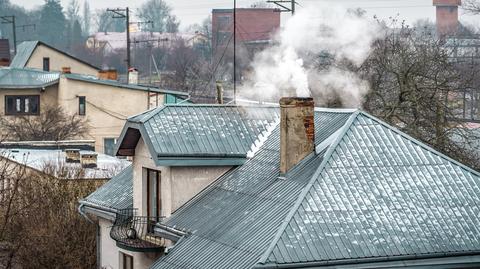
(136, 233)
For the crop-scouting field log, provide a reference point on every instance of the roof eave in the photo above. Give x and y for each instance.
(199, 161)
(433, 260)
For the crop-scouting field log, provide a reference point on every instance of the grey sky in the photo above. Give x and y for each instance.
(194, 11)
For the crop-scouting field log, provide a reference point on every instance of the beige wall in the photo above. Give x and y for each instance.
(57, 61)
(178, 184)
(47, 97)
(110, 253)
(107, 107)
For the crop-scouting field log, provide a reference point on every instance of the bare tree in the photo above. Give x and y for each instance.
(413, 78)
(53, 124)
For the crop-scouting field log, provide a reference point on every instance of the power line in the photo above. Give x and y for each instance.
(120, 13)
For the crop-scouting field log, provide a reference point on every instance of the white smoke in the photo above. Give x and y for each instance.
(291, 64)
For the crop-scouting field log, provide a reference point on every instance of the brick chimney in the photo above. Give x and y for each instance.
(447, 16)
(297, 131)
(66, 70)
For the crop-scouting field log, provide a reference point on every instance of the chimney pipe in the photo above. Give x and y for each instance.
(219, 92)
(66, 70)
(447, 17)
(297, 131)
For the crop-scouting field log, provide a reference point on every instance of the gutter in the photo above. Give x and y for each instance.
(98, 210)
(358, 262)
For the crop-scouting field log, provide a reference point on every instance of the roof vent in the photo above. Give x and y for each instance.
(297, 131)
(88, 159)
(72, 155)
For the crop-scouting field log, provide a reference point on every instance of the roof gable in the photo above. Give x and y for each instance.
(380, 193)
(27, 48)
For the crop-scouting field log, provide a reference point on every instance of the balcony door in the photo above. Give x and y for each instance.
(154, 204)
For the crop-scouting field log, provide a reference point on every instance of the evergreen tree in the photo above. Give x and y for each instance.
(52, 24)
(160, 13)
(106, 23)
(77, 36)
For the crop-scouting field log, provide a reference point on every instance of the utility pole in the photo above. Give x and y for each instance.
(284, 7)
(11, 20)
(124, 13)
(235, 51)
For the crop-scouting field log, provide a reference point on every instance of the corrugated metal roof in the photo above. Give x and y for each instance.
(233, 221)
(24, 51)
(375, 193)
(202, 131)
(114, 83)
(17, 78)
(116, 194)
(381, 194)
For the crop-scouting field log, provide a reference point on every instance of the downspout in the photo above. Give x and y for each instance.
(80, 210)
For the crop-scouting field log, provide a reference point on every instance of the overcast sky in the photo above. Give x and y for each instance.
(194, 11)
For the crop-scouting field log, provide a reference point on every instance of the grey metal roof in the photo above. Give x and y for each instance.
(24, 51)
(202, 131)
(233, 221)
(114, 83)
(116, 194)
(376, 194)
(16, 78)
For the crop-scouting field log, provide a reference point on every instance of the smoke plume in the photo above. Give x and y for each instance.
(305, 59)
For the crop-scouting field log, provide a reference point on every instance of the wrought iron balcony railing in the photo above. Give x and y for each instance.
(136, 233)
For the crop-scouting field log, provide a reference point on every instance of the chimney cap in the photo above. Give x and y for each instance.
(447, 3)
(296, 101)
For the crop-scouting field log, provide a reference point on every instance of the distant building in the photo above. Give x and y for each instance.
(109, 42)
(4, 52)
(74, 160)
(447, 16)
(255, 26)
(39, 55)
(105, 103)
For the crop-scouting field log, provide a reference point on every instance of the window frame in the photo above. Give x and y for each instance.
(46, 64)
(125, 259)
(149, 193)
(23, 98)
(84, 112)
(115, 140)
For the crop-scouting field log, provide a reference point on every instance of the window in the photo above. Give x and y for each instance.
(82, 105)
(126, 261)
(22, 104)
(153, 195)
(224, 22)
(223, 37)
(46, 64)
(109, 146)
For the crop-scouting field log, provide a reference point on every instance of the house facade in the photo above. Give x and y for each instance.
(39, 55)
(105, 104)
(294, 186)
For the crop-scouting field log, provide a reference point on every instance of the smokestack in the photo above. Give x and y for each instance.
(447, 16)
(297, 131)
(219, 92)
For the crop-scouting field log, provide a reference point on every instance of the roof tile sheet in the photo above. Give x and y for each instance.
(116, 194)
(24, 51)
(26, 78)
(201, 130)
(233, 221)
(381, 193)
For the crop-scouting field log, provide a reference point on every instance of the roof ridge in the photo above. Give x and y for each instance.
(159, 108)
(307, 187)
(420, 143)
